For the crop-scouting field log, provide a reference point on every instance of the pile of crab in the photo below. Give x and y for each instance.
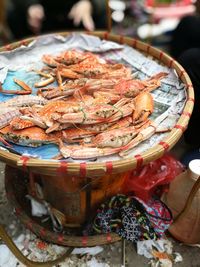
(88, 106)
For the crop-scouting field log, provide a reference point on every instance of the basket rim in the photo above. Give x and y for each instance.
(99, 168)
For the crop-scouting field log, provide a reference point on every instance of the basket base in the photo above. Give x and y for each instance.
(16, 182)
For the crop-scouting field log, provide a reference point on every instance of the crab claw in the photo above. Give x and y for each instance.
(143, 107)
(68, 73)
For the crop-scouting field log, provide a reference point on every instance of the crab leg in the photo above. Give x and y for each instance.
(59, 80)
(74, 134)
(123, 111)
(49, 79)
(67, 73)
(23, 85)
(104, 144)
(89, 152)
(112, 138)
(83, 152)
(122, 123)
(34, 121)
(100, 113)
(26, 89)
(94, 85)
(85, 131)
(57, 127)
(50, 93)
(144, 134)
(45, 82)
(13, 92)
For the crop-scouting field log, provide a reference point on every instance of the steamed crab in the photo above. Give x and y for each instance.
(95, 108)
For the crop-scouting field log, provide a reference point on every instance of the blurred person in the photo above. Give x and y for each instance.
(185, 48)
(187, 33)
(5, 35)
(190, 60)
(33, 17)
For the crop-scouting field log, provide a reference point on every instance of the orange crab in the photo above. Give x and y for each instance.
(132, 87)
(33, 136)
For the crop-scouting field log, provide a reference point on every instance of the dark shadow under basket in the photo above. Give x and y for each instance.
(16, 183)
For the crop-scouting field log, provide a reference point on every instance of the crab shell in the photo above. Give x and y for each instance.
(33, 136)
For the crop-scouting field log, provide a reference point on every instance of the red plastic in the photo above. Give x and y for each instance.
(146, 181)
(153, 3)
(175, 9)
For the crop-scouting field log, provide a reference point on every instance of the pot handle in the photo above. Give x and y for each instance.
(23, 259)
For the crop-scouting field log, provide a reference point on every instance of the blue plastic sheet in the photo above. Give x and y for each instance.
(45, 151)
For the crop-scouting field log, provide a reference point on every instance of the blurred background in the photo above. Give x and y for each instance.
(152, 21)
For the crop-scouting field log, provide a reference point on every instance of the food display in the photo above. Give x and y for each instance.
(88, 104)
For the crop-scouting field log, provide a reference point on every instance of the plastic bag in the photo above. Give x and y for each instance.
(144, 182)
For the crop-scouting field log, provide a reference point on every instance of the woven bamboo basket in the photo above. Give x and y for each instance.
(82, 186)
(95, 169)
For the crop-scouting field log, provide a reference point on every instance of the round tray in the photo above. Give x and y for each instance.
(97, 169)
(16, 189)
